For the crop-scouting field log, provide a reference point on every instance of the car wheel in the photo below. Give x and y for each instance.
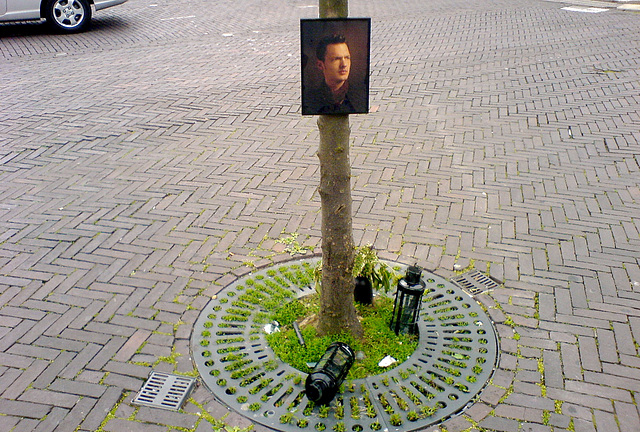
(69, 15)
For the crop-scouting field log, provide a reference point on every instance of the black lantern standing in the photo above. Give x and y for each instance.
(363, 292)
(406, 307)
(323, 382)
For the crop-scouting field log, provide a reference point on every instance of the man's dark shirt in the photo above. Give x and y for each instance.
(320, 100)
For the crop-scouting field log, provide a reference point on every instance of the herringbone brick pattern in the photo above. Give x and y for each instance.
(145, 164)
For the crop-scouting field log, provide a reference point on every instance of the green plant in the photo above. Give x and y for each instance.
(286, 418)
(292, 246)
(290, 312)
(371, 410)
(395, 419)
(428, 411)
(412, 416)
(366, 264)
(355, 409)
(308, 410)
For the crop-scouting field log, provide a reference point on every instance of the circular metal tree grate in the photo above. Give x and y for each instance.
(456, 355)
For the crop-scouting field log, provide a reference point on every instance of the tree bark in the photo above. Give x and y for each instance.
(334, 8)
(337, 309)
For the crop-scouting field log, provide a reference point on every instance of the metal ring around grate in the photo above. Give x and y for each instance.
(455, 358)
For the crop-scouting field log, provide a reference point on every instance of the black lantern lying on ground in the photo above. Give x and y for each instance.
(408, 302)
(324, 381)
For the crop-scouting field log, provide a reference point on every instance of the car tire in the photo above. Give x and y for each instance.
(68, 16)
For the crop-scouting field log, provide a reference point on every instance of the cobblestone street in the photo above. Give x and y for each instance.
(147, 163)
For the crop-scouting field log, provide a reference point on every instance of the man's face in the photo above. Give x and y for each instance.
(336, 64)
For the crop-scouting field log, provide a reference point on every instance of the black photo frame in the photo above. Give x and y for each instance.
(323, 80)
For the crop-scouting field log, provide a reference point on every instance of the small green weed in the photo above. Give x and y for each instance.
(292, 246)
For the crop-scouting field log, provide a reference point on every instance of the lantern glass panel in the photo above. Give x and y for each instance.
(408, 302)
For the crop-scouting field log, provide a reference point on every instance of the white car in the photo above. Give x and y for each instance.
(65, 15)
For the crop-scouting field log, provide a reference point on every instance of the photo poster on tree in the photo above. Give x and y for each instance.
(335, 55)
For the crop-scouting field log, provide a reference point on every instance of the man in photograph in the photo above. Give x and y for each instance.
(335, 94)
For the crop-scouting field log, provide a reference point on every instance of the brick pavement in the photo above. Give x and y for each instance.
(145, 163)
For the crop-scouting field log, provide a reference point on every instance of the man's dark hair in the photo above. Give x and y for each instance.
(321, 49)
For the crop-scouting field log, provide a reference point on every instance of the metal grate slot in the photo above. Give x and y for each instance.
(164, 391)
(475, 282)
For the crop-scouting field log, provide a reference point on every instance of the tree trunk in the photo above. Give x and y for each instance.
(334, 8)
(337, 309)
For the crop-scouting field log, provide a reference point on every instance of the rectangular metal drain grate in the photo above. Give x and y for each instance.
(475, 282)
(164, 391)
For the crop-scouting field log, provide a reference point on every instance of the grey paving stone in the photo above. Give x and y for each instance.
(94, 418)
(529, 427)
(627, 415)
(499, 424)
(24, 409)
(164, 417)
(116, 425)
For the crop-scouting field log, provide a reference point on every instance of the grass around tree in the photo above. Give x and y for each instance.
(378, 341)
